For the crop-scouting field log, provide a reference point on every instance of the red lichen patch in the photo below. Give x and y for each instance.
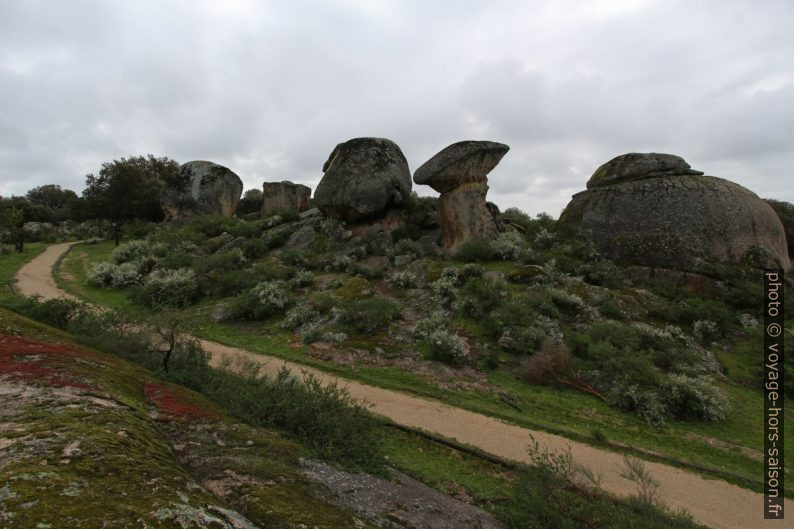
(33, 361)
(177, 403)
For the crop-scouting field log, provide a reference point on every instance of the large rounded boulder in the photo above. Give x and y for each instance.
(363, 178)
(654, 210)
(213, 190)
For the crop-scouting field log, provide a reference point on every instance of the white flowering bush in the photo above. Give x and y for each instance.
(527, 339)
(446, 347)
(565, 299)
(168, 288)
(443, 289)
(264, 299)
(404, 279)
(698, 398)
(451, 273)
(301, 317)
(272, 295)
(425, 327)
(106, 274)
(705, 330)
(126, 274)
(508, 245)
(342, 263)
(748, 322)
(473, 270)
(303, 278)
(131, 251)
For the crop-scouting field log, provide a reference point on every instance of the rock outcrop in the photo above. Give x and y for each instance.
(363, 178)
(460, 173)
(278, 196)
(214, 190)
(654, 210)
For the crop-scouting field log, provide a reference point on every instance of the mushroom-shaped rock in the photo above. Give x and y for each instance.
(460, 173)
(215, 188)
(636, 166)
(673, 217)
(363, 177)
(278, 196)
(460, 163)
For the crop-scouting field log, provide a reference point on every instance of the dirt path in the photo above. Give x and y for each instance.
(714, 503)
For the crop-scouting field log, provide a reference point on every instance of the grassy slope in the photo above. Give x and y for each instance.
(121, 466)
(11, 262)
(733, 445)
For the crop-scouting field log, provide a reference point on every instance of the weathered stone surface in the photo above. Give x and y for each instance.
(680, 220)
(363, 177)
(464, 216)
(636, 166)
(214, 190)
(278, 196)
(461, 162)
(460, 173)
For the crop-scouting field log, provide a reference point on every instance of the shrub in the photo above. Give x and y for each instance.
(366, 316)
(479, 296)
(405, 247)
(508, 246)
(100, 274)
(227, 283)
(342, 263)
(427, 326)
(168, 288)
(125, 274)
(695, 398)
(445, 347)
(551, 364)
(303, 278)
(705, 330)
(530, 336)
(264, 299)
(566, 300)
(130, 251)
(443, 289)
(473, 270)
(272, 296)
(255, 248)
(176, 260)
(301, 317)
(404, 279)
(645, 401)
(475, 251)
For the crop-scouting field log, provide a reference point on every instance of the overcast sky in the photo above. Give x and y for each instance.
(269, 88)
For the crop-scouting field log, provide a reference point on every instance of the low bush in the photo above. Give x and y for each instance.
(475, 251)
(301, 317)
(479, 296)
(508, 246)
(367, 316)
(167, 288)
(264, 299)
(130, 251)
(404, 279)
(445, 347)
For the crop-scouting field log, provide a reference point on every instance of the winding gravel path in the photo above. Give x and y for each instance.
(715, 503)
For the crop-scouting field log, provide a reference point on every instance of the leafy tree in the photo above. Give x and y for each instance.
(250, 203)
(51, 203)
(130, 188)
(14, 213)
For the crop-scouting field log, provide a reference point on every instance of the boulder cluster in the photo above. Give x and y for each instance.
(654, 210)
(645, 209)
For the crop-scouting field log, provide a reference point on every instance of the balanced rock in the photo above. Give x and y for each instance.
(363, 178)
(214, 190)
(460, 173)
(278, 196)
(654, 210)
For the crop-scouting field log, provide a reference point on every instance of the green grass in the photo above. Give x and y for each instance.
(732, 446)
(11, 262)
